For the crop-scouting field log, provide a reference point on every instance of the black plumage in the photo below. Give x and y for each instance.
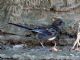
(49, 33)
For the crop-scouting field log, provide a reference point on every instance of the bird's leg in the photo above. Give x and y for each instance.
(54, 48)
(55, 45)
(42, 44)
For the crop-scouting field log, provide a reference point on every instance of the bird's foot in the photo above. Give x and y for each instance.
(54, 49)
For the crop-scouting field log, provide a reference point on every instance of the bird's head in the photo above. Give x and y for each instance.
(57, 21)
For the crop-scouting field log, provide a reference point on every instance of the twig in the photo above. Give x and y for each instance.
(77, 43)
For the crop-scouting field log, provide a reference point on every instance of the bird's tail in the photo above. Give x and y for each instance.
(20, 26)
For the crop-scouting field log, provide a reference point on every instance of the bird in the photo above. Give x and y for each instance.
(49, 33)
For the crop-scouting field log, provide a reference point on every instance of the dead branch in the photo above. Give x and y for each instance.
(64, 9)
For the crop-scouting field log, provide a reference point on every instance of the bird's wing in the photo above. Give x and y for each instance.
(49, 35)
(37, 30)
(42, 31)
(54, 34)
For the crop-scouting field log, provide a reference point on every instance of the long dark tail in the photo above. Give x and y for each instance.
(20, 26)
